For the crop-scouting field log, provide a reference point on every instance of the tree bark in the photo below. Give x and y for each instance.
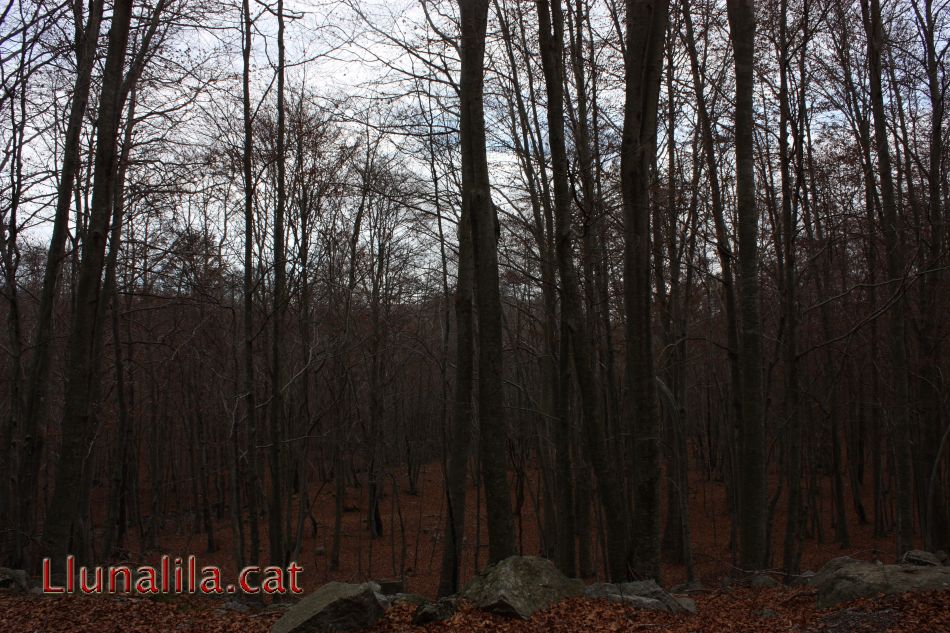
(70, 490)
(752, 485)
(646, 31)
(894, 262)
(31, 437)
(477, 204)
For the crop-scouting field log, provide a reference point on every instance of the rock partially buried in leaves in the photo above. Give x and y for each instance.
(920, 558)
(846, 579)
(336, 606)
(763, 581)
(411, 598)
(435, 611)
(234, 605)
(520, 585)
(643, 594)
(688, 604)
(830, 568)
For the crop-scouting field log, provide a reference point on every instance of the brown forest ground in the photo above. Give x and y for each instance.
(413, 524)
(416, 520)
(740, 611)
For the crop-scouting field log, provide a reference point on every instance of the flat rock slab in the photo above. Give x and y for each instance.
(920, 558)
(858, 620)
(643, 594)
(336, 606)
(844, 579)
(520, 585)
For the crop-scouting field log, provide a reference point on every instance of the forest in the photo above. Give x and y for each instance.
(656, 290)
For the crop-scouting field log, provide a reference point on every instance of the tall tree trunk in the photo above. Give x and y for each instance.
(936, 522)
(275, 510)
(789, 225)
(477, 204)
(31, 438)
(575, 327)
(250, 401)
(460, 431)
(752, 485)
(114, 529)
(555, 400)
(70, 490)
(646, 33)
(894, 262)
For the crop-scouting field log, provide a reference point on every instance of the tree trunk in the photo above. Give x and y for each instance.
(70, 490)
(31, 439)
(275, 529)
(753, 485)
(646, 31)
(894, 261)
(478, 206)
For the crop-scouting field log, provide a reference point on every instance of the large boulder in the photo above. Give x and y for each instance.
(520, 585)
(829, 569)
(844, 579)
(336, 606)
(642, 594)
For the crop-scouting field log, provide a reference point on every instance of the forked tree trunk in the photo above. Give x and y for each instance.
(575, 328)
(71, 482)
(31, 439)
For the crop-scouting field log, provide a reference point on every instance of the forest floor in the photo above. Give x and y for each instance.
(740, 610)
(411, 544)
(411, 548)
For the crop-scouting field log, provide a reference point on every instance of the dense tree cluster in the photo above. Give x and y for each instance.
(609, 243)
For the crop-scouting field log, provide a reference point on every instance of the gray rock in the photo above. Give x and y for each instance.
(797, 580)
(687, 603)
(234, 605)
(830, 568)
(520, 585)
(618, 592)
(763, 581)
(277, 607)
(612, 593)
(921, 558)
(336, 606)
(688, 587)
(842, 580)
(13, 579)
(942, 557)
(391, 586)
(435, 611)
(411, 598)
(850, 620)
